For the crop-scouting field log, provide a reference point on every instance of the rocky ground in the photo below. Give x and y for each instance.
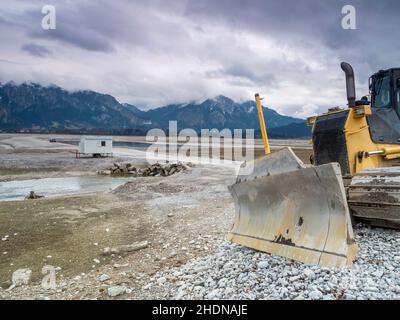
(234, 272)
(180, 216)
(163, 237)
(230, 271)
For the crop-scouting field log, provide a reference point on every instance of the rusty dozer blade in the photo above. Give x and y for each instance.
(290, 210)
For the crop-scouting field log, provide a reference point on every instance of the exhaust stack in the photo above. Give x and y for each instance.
(350, 84)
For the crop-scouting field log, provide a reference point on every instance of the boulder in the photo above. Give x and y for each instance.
(126, 248)
(315, 295)
(21, 277)
(116, 291)
(103, 277)
(33, 195)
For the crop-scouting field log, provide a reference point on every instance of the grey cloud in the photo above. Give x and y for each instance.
(73, 27)
(99, 25)
(9, 61)
(155, 52)
(372, 45)
(87, 39)
(36, 50)
(247, 75)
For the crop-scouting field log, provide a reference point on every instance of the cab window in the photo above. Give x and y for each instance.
(397, 94)
(382, 92)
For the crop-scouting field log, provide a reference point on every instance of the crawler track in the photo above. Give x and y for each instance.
(374, 197)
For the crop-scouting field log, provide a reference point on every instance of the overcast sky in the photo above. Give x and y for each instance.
(151, 53)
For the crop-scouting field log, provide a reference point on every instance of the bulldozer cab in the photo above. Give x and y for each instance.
(385, 89)
(384, 122)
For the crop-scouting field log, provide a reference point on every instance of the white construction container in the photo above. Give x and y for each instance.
(97, 146)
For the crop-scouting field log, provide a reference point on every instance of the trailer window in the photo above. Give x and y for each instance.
(103, 143)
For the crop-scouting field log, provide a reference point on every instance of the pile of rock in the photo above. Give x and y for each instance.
(153, 170)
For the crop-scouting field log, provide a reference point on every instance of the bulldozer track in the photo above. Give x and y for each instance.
(374, 197)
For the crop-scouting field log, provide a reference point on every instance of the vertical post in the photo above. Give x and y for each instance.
(262, 124)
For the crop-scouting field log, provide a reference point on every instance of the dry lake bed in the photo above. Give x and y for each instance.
(86, 223)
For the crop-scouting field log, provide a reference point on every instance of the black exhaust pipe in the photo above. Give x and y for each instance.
(350, 84)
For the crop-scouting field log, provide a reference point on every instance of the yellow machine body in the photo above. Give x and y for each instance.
(362, 152)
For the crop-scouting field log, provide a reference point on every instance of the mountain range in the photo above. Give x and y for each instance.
(33, 107)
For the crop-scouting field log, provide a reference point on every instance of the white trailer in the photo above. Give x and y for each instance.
(96, 146)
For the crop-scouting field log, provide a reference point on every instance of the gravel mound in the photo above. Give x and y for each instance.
(235, 272)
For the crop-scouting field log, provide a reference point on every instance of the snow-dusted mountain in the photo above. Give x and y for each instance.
(28, 106)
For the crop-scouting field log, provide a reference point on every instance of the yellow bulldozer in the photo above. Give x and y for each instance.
(305, 212)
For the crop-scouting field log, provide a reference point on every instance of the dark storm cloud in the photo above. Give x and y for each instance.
(372, 43)
(76, 25)
(36, 50)
(154, 52)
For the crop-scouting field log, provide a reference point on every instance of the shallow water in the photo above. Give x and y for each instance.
(19, 189)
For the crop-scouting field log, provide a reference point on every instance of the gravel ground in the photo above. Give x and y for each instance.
(235, 272)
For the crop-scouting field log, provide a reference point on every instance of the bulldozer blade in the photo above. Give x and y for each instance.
(280, 161)
(301, 214)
